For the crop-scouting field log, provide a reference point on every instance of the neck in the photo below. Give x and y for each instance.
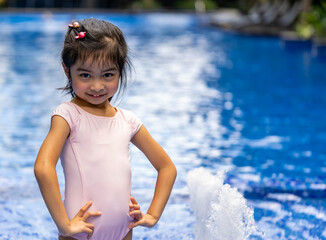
(82, 103)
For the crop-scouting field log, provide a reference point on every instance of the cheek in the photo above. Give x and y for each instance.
(77, 86)
(77, 83)
(115, 85)
(73, 85)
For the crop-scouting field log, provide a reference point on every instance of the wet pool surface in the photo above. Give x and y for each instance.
(212, 99)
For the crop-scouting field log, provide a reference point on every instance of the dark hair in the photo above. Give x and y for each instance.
(103, 43)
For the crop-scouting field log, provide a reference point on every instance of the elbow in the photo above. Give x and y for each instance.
(172, 171)
(169, 170)
(175, 172)
(40, 171)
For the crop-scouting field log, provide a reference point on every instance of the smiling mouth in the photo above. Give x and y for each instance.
(96, 95)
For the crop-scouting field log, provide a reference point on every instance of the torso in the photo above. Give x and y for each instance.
(96, 164)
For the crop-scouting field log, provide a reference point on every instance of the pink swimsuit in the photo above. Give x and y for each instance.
(95, 160)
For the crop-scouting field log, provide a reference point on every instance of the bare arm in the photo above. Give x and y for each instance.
(45, 173)
(165, 179)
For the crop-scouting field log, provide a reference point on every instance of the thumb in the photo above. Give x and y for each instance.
(135, 224)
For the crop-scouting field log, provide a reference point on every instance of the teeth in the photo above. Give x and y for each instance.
(94, 95)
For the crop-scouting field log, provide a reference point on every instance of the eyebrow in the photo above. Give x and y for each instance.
(111, 69)
(87, 70)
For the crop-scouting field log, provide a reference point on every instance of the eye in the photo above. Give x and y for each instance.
(85, 75)
(107, 75)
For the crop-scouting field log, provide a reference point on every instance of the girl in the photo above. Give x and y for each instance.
(92, 139)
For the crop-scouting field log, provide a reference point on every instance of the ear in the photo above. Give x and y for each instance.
(66, 70)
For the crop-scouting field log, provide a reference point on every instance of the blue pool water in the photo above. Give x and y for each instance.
(245, 105)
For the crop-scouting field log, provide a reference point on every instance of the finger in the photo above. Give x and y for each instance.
(84, 209)
(135, 225)
(91, 214)
(90, 225)
(136, 215)
(88, 230)
(135, 212)
(133, 200)
(134, 206)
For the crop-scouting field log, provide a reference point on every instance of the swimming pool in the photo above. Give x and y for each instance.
(213, 99)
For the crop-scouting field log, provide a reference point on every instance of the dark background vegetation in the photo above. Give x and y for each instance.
(138, 4)
(311, 22)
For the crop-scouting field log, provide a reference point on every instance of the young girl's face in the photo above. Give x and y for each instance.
(94, 83)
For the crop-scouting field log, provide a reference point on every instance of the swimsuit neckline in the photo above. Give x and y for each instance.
(94, 115)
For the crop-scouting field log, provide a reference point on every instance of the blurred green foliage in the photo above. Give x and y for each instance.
(190, 4)
(313, 22)
(3, 3)
(146, 4)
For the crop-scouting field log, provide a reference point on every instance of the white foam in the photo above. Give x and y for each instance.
(274, 142)
(309, 210)
(220, 210)
(318, 186)
(284, 197)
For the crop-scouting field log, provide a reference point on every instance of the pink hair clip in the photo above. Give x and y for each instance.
(74, 25)
(80, 35)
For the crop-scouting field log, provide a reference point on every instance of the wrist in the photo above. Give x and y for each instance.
(64, 229)
(154, 218)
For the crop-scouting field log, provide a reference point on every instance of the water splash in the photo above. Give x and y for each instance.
(221, 211)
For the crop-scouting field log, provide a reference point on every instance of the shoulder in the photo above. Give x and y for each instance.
(69, 112)
(131, 118)
(67, 107)
(127, 115)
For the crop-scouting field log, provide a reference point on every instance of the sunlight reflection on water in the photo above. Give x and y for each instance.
(195, 92)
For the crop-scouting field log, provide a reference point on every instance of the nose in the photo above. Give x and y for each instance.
(97, 86)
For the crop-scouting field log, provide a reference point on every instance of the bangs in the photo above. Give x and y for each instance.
(104, 55)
